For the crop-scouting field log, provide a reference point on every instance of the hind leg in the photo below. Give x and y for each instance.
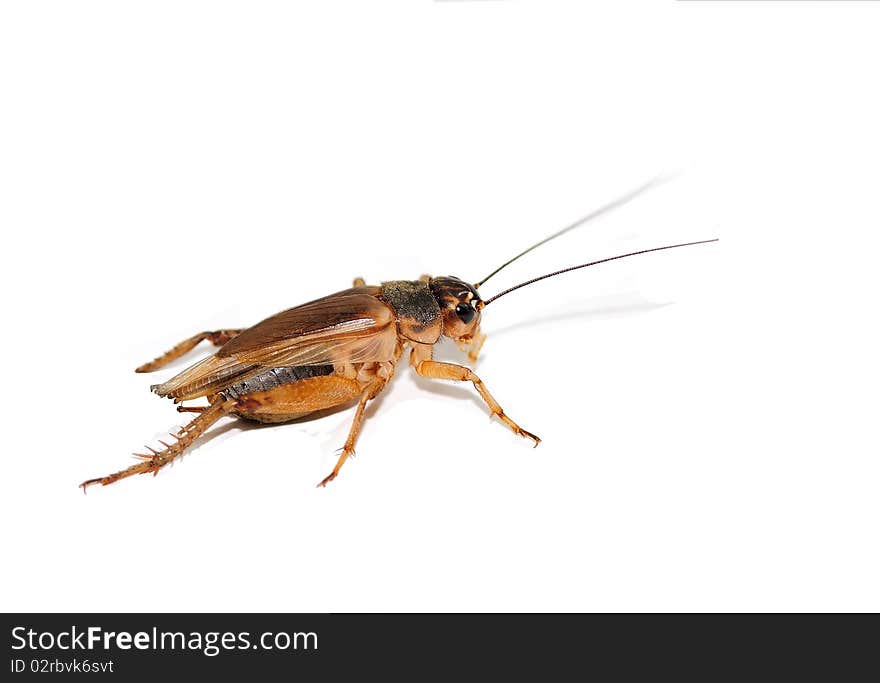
(185, 437)
(217, 338)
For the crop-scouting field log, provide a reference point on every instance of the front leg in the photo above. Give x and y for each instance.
(433, 369)
(472, 346)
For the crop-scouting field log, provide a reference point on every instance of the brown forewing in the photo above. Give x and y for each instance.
(349, 326)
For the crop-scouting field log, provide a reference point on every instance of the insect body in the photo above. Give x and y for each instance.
(321, 355)
(341, 348)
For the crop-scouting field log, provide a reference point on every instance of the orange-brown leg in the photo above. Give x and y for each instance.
(348, 449)
(298, 399)
(184, 439)
(472, 347)
(217, 338)
(437, 370)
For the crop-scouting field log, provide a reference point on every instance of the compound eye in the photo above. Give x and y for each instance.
(465, 312)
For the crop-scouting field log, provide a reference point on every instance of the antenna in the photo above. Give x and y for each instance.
(592, 263)
(620, 201)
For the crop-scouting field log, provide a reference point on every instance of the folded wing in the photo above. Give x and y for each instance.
(349, 326)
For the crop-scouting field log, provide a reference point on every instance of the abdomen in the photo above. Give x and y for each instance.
(283, 394)
(274, 378)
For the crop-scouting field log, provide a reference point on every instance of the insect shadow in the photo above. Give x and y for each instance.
(595, 312)
(598, 311)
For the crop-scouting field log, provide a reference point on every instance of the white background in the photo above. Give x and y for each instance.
(708, 414)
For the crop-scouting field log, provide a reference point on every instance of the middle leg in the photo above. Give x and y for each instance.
(348, 449)
(307, 396)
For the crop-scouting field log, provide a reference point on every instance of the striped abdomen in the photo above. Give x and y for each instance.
(276, 377)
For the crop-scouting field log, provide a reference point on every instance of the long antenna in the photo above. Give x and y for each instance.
(592, 263)
(620, 201)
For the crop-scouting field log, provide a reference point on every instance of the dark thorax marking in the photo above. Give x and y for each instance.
(411, 299)
(416, 309)
(275, 377)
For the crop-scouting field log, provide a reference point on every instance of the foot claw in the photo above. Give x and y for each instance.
(529, 435)
(330, 477)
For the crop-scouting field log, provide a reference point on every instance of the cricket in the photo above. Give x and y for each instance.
(337, 350)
